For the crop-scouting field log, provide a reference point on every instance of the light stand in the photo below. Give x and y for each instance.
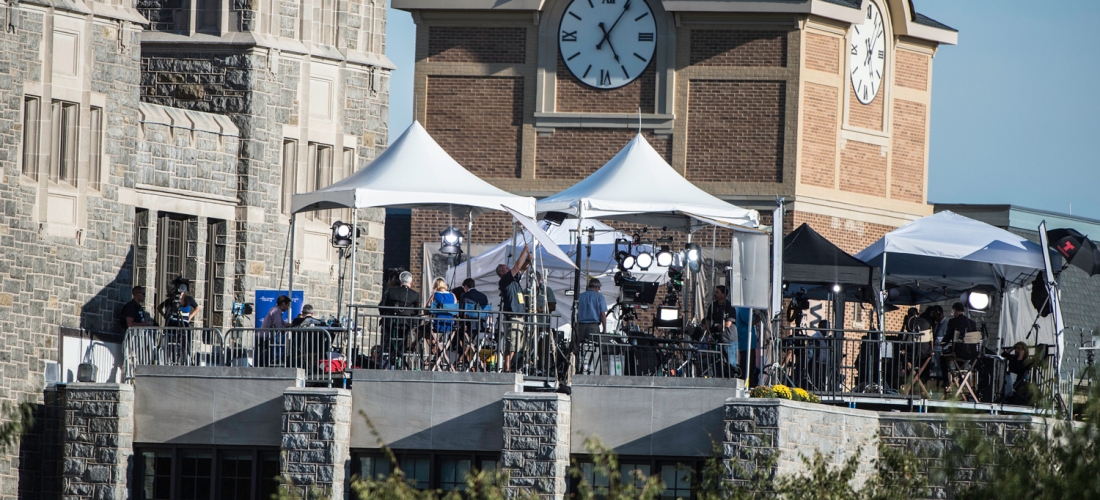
(344, 235)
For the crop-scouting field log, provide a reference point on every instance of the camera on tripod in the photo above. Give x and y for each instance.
(171, 304)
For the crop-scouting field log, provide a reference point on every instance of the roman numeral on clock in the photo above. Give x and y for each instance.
(605, 77)
(609, 1)
(881, 55)
(855, 50)
(645, 37)
(568, 36)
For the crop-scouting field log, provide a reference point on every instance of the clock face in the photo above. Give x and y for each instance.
(867, 55)
(607, 43)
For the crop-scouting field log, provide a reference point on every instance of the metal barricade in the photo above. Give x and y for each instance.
(172, 346)
(391, 338)
(610, 354)
(831, 362)
(311, 349)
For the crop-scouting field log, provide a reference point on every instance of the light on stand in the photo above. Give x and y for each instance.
(450, 241)
(627, 262)
(644, 260)
(836, 288)
(976, 300)
(341, 234)
(693, 255)
(664, 257)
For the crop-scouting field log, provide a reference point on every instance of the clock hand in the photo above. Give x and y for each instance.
(607, 32)
(606, 38)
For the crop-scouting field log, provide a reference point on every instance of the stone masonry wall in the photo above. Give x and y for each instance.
(536, 443)
(260, 101)
(317, 438)
(47, 281)
(98, 441)
(758, 428)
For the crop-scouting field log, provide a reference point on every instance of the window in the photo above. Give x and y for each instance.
(65, 128)
(446, 472)
(31, 117)
(156, 478)
(290, 173)
(324, 24)
(235, 475)
(216, 253)
(206, 473)
(195, 474)
(95, 147)
(677, 479)
(676, 474)
(452, 474)
(208, 16)
(320, 175)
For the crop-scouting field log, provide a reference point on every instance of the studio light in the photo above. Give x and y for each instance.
(450, 241)
(694, 256)
(341, 234)
(837, 288)
(976, 300)
(664, 257)
(627, 262)
(644, 260)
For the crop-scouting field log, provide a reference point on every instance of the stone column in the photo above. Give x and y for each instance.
(536, 443)
(751, 436)
(317, 438)
(97, 440)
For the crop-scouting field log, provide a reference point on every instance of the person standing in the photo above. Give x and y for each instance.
(180, 312)
(133, 313)
(269, 348)
(511, 303)
(591, 320)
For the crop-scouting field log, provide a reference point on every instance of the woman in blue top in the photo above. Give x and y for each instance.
(445, 306)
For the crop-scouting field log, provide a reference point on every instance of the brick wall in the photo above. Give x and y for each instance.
(738, 48)
(576, 153)
(489, 228)
(736, 131)
(868, 116)
(576, 97)
(862, 169)
(850, 235)
(477, 44)
(911, 69)
(479, 122)
(819, 137)
(907, 162)
(823, 53)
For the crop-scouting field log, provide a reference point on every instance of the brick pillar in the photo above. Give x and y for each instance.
(97, 437)
(536, 443)
(317, 438)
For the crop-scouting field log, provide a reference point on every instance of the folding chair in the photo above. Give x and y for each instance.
(967, 352)
(924, 349)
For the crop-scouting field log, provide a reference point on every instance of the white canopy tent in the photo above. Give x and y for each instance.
(600, 264)
(415, 173)
(637, 185)
(942, 255)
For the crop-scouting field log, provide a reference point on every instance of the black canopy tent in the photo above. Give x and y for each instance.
(814, 265)
(810, 259)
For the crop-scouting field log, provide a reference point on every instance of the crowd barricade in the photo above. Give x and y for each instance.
(172, 346)
(391, 338)
(311, 349)
(651, 356)
(832, 362)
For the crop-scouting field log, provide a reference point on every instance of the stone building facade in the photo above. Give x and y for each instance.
(141, 144)
(749, 100)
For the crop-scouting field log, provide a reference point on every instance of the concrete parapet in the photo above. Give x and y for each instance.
(536, 443)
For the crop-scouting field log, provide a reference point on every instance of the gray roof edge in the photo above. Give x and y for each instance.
(1016, 215)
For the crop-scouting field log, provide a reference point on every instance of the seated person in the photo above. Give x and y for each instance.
(1016, 380)
(306, 319)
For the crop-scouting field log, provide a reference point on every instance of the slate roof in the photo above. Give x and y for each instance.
(928, 21)
(855, 4)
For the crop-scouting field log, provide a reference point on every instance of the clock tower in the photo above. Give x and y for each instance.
(825, 103)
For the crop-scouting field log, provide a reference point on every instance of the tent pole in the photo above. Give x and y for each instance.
(577, 274)
(882, 321)
(354, 251)
(469, 236)
(290, 268)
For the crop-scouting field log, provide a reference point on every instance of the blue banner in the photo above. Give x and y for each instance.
(265, 300)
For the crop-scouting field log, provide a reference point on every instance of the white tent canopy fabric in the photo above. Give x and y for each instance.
(947, 250)
(414, 172)
(638, 186)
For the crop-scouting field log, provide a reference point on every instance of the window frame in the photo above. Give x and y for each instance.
(259, 456)
(435, 462)
(95, 147)
(64, 142)
(656, 465)
(32, 136)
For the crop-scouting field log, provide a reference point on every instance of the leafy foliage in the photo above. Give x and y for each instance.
(17, 420)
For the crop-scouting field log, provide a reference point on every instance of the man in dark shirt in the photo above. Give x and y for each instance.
(959, 324)
(133, 313)
(405, 300)
(720, 319)
(511, 301)
(471, 294)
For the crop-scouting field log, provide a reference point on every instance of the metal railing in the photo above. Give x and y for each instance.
(311, 349)
(393, 338)
(652, 356)
(836, 363)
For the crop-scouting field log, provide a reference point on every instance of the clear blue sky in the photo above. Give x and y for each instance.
(1015, 105)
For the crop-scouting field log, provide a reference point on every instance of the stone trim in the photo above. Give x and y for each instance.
(97, 440)
(536, 443)
(316, 438)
